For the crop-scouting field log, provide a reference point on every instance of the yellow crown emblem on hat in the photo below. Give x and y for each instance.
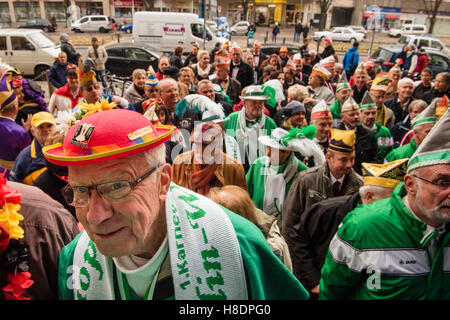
(342, 141)
(387, 175)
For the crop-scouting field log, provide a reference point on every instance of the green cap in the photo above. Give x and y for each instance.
(367, 102)
(435, 148)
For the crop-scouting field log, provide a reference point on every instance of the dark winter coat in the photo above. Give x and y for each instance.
(395, 106)
(309, 187)
(57, 74)
(245, 74)
(310, 238)
(366, 148)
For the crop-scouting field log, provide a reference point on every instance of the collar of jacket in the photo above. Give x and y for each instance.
(349, 180)
(36, 150)
(411, 223)
(360, 131)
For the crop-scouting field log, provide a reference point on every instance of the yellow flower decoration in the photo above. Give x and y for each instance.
(92, 108)
(9, 219)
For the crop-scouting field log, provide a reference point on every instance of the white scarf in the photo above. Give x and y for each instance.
(250, 135)
(204, 73)
(275, 185)
(205, 256)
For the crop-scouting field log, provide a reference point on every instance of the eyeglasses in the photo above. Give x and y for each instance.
(111, 191)
(441, 184)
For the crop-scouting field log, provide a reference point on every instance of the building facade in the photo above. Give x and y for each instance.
(392, 13)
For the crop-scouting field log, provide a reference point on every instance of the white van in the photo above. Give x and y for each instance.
(163, 31)
(28, 50)
(92, 24)
(408, 29)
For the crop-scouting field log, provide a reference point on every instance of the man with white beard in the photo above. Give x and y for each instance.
(397, 248)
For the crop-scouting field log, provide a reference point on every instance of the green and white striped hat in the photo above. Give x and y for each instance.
(428, 115)
(254, 92)
(342, 83)
(367, 102)
(435, 148)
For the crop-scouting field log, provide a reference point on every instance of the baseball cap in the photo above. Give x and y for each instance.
(41, 118)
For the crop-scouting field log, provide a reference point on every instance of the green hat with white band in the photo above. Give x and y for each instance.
(367, 102)
(435, 148)
(254, 92)
(342, 82)
(428, 115)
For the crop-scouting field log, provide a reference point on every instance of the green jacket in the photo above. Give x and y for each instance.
(256, 180)
(402, 152)
(381, 252)
(232, 129)
(232, 124)
(384, 139)
(267, 277)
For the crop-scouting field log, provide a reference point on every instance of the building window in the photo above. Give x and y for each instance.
(90, 8)
(5, 18)
(56, 9)
(25, 11)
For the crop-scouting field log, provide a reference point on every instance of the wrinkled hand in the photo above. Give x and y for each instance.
(27, 124)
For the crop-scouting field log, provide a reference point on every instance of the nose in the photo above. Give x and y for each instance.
(99, 209)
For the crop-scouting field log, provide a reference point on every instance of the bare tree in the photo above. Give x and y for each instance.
(324, 7)
(432, 8)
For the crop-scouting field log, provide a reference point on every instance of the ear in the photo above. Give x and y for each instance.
(165, 178)
(368, 197)
(410, 184)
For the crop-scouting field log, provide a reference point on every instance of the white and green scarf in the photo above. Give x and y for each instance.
(205, 256)
(249, 135)
(275, 185)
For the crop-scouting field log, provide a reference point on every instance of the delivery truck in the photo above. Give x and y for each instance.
(163, 31)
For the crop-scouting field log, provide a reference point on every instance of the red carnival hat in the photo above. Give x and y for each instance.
(105, 136)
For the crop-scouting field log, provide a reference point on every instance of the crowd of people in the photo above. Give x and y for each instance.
(226, 175)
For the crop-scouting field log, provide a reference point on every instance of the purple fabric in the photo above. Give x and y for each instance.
(38, 97)
(13, 138)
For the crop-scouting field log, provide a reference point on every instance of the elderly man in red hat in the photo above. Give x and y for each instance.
(146, 237)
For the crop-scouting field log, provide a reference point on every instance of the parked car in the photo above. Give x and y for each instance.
(123, 59)
(92, 24)
(127, 28)
(267, 50)
(42, 24)
(359, 29)
(387, 54)
(408, 29)
(28, 50)
(339, 34)
(240, 28)
(428, 42)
